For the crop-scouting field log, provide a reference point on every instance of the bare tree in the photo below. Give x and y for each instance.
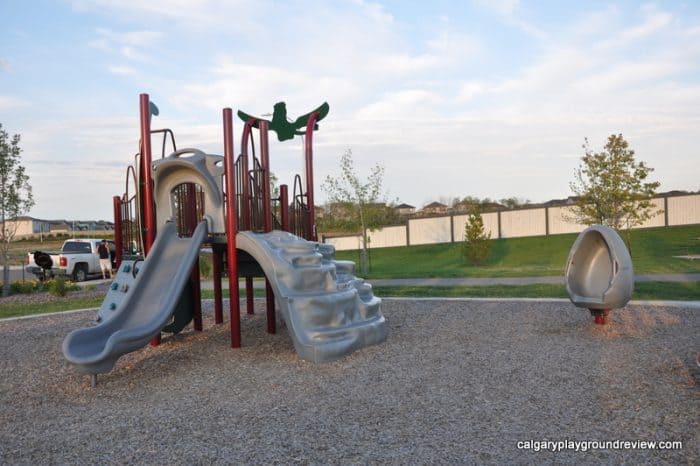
(360, 200)
(15, 198)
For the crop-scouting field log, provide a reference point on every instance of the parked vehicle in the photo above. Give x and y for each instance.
(78, 260)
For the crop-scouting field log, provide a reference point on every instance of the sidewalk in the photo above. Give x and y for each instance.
(484, 281)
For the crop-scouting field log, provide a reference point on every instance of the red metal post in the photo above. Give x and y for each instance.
(146, 181)
(249, 295)
(246, 206)
(196, 296)
(118, 238)
(217, 260)
(284, 207)
(231, 229)
(265, 162)
(270, 305)
(245, 201)
(190, 217)
(267, 218)
(149, 213)
(309, 159)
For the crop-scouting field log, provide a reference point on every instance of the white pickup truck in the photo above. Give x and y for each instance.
(78, 259)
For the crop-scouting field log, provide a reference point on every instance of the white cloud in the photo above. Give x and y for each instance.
(403, 105)
(200, 15)
(128, 44)
(375, 11)
(502, 7)
(123, 70)
(655, 21)
(469, 90)
(8, 103)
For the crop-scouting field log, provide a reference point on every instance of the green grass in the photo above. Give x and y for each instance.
(66, 304)
(652, 252)
(674, 291)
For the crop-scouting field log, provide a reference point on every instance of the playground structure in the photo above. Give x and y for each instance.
(189, 198)
(599, 274)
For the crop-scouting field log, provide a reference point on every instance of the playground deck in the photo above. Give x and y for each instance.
(456, 382)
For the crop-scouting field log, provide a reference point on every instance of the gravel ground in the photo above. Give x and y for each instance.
(456, 382)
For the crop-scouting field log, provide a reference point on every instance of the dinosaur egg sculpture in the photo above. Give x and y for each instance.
(599, 274)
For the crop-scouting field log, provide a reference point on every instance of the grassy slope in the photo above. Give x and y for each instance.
(673, 291)
(652, 252)
(652, 249)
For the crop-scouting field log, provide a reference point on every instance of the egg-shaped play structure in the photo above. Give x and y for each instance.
(599, 274)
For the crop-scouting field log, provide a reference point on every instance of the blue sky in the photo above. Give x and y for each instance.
(455, 98)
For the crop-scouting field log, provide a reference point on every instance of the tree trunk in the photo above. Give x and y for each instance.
(6, 279)
(364, 263)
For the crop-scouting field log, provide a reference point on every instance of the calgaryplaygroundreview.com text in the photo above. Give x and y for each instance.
(588, 445)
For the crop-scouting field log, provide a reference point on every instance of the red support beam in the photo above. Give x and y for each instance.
(267, 217)
(231, 229)
(284, 207)
(246, 204)
(149, 212)
(189, 205)
(249, 295)
(265, 162)
(196, 296)
(118, 238)
(309, 159)
(270, 301)
(245, 189)
(217, 261)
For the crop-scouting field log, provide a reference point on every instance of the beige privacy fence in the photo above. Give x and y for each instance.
(673, 210)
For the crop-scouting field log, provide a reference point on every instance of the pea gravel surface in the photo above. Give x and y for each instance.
(457, 382)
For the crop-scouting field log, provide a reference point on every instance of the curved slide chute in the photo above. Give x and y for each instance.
(148, 306)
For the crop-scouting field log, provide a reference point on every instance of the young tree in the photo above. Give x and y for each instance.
(612, 187)
(359, 200)
(15, 197)
(476, 247)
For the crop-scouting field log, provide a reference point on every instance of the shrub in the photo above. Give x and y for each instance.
(23, 287)
(58, 286)
(476, 247)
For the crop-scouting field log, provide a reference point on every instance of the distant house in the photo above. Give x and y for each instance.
(405, 209)
(59, 226)
(434, 208)
(104, 225)
(27, 226)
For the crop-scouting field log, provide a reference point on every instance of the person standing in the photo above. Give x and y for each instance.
(105, 259)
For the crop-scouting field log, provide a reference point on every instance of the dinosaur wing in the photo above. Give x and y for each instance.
(302, 121)
(245, 117)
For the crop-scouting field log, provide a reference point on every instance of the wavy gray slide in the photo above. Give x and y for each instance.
(148, 306)
(328, 312)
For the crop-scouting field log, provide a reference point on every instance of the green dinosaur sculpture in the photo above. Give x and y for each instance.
(281, 125)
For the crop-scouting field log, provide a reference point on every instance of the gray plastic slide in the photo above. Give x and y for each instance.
(146, 308)
(327, 310)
